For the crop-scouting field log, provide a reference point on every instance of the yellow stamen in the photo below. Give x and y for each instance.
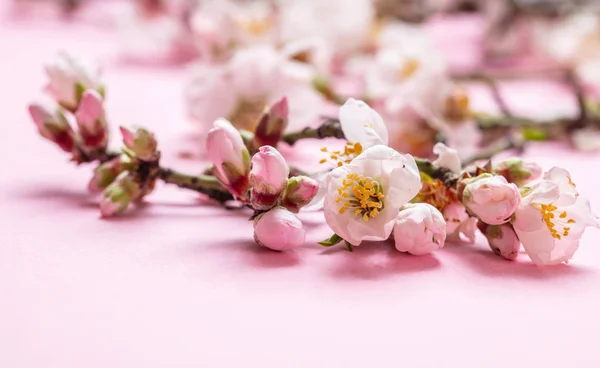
(361, 194)
(351, 150)
(553, 222)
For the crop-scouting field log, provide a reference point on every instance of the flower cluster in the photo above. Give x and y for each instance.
(263, 184)
(372, 192)
(367, 198)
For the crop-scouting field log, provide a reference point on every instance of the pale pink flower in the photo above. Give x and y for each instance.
(69, 76)
(460, 227)
(419, 229)
(253, 79)
(279, 229)
(229, 155)
(491, 198)
(503, 240)
(552, 217)
(407, 66)
(299, 192)
(268, 177)
(91, 120)
(363, 197)
(447, 158)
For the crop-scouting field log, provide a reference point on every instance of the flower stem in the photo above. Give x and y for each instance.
(329, 129)
(205, 184)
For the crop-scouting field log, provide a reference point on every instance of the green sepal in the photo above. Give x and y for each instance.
(349, 246)
(79, 90)
(333, 240)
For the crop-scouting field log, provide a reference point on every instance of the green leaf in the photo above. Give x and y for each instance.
(335, 238)
(349, 246)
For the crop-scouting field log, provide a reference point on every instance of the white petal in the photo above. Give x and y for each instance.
(562, 178)
(362, 124)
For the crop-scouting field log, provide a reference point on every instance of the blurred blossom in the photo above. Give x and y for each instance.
(587, 139)
(254, 78)
(574, 41)
(345, 26)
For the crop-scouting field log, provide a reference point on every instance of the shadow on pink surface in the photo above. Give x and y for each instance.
(486, 263)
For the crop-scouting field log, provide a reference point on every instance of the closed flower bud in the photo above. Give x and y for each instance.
(268, 177)
(279, 229)
(106, 173)
(53, 125)
(91, 120)
(118, 195)
(299, 192)
(419, 229)
(491, 198)
(230, 157)
(518, 171)
(271, 124)
(69, 77)
(502, 239)
(141, 142)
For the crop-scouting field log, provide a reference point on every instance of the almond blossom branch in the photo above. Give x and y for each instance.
(329, 129)
(205, 184)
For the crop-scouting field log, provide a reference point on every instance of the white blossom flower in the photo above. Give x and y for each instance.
(419, 229)
(253, 79)
(491, 198)
(460, 227)
(67, 75)
(363, 197)
(552, 217)
(586, 139)
(360, 123)
(343, 26)
(447, 158)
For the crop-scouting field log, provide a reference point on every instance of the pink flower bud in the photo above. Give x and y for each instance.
(106, 173)
(419, 229)
(299, 192)
(271, 124)
(503, 240)
(279, 229)
(491, 198)
(141, 142)
(518, 171)
(69, 77)
(230, 157)
(91, 120)
(268, 177)
(118, 195)
(52, 125)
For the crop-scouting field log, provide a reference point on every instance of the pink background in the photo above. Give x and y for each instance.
(175, 284)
